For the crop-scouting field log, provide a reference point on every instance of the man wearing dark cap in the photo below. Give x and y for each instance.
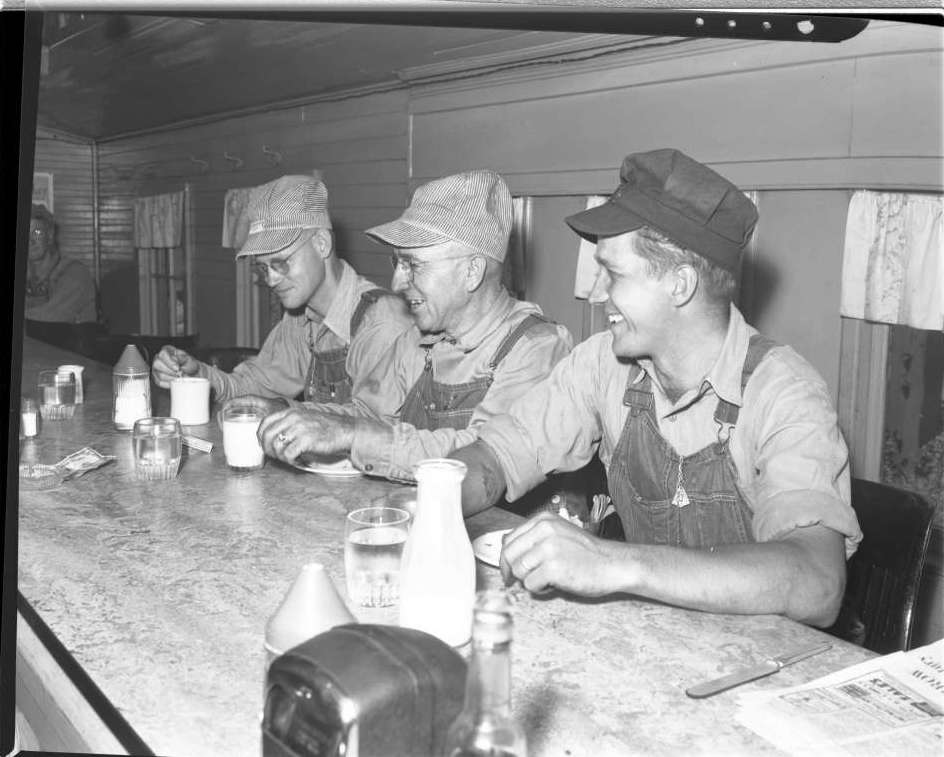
(474, 348)
(723, 458)
(336, 324)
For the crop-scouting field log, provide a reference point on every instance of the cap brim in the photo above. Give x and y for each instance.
(400, 233)
(606, 220)
(267, 242)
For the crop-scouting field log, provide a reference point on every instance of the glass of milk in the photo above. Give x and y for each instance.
(239, 418)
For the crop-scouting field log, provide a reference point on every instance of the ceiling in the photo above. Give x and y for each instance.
(103, 75)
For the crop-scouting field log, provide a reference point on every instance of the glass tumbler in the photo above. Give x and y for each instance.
(157, 447)
(56, 395)
(373, 545)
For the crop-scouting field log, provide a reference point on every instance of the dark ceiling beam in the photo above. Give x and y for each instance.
(796, 27)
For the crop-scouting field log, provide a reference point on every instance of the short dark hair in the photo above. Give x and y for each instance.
(662, 255)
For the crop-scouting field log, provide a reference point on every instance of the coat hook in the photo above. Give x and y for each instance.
(275, 157)
(204, 165)
(234, 159)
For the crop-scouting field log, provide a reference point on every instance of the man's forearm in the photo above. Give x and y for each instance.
(484, 481)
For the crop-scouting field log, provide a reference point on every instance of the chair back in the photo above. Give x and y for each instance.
(883, 576)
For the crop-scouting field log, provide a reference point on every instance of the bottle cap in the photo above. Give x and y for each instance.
(131, 361)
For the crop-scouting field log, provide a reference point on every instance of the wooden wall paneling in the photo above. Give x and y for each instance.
(70, 163)
(360, 145)
(760, 108)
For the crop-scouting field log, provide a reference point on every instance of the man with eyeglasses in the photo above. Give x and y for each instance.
(336, 323)
(58, 289)
(474, 349)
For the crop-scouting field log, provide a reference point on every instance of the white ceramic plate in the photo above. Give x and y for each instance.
(326, 467)
(487, 547)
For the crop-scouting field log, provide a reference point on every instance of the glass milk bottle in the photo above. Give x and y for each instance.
(485, 727)
(131, 379)
(437, 572)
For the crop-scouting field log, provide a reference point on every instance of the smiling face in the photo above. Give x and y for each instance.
(433, 280)
(639, 306)
(295, 273)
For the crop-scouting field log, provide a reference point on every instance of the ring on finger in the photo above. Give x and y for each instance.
(282, 438)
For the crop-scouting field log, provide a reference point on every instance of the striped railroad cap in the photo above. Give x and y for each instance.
(473, 208)
(280, 212)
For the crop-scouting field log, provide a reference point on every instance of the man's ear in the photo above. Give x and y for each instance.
(321, 241)
(476, 271)
(684, 281)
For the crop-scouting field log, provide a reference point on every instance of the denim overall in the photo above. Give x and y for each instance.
(431, 405)
(328, 380)
(664, 498)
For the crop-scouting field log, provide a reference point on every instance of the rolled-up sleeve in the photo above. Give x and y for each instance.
(800, 466)
(394, 452)
(278, 370)
(556, 425)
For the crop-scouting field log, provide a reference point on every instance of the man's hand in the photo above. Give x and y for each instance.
(287, 434)
(548, 552)
(172, 362)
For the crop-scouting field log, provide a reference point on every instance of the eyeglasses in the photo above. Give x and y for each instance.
(281, 267)
(410, 267)
(39, 233)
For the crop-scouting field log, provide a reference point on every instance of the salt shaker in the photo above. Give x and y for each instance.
(29, 417)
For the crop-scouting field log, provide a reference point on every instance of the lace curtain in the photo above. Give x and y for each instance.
(893, 261)
(158, 220)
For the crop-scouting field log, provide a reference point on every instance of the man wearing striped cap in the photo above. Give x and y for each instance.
(474, 349)
(336, 323)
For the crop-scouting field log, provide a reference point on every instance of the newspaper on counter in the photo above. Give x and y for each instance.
(891, 705)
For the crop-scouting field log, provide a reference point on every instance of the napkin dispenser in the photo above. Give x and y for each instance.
(361, 690)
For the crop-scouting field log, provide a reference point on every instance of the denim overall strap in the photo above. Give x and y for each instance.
(431, 404)
(328, 379)
(646, 476)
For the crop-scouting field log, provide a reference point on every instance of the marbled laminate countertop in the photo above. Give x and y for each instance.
(161, 591)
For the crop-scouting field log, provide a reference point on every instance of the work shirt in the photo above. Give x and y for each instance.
(393, 449)
(281, 367)
(68, 296)
(790, 458)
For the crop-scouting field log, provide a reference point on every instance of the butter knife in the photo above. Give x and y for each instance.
(766, 668)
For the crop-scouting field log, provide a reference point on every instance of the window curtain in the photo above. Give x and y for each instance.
(893, 261)
(158, 220)
(587, 267)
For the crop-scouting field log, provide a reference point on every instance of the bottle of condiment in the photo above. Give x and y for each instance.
(29, 417)
(131, 379)
(485, 727)
(437, 571)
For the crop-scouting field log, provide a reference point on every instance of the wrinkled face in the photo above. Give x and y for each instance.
(295, 273)
(40, 239)
(637, 303)
(432, 280)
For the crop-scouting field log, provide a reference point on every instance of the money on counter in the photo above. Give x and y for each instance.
(81, 462)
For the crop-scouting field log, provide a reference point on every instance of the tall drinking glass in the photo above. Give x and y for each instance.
(373, 545)
(56, 395)
(157, 448)
(239, 419)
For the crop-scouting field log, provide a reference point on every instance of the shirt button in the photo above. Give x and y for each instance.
(432, 405)
(368, 467)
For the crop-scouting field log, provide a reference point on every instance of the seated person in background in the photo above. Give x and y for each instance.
(473, 351)
(723, 458)
(58, 290)
(337, 324)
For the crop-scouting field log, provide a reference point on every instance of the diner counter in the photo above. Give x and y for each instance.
(161, 592)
